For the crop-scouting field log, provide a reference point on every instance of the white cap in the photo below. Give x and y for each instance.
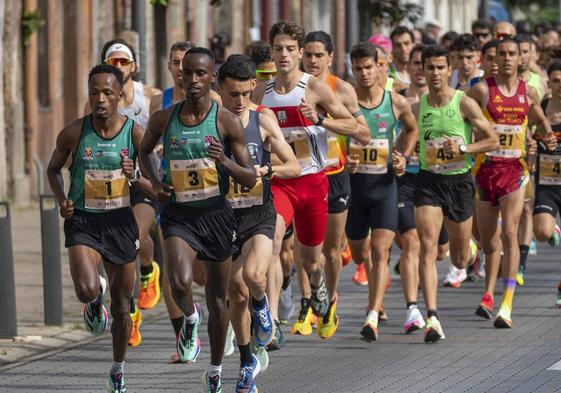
(118, 48)
(433, 22)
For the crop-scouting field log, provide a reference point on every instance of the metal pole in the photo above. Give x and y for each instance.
(52, 274)
(485, 9)
(139, 25)
(8, 322)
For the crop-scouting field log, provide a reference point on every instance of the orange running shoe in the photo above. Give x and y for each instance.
(135, 338)
(346, 256)
(149, 294)
(360, 277)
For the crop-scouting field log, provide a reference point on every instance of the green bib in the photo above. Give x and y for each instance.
(196, 179)
(437, 124)
(97, 184)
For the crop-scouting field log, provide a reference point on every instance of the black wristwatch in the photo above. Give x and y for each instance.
(321, 118)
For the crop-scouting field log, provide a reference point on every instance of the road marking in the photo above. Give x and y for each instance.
(555, 367)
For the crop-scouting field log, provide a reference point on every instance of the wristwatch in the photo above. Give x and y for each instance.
(463, 148)
(321, 118)
(136, 177)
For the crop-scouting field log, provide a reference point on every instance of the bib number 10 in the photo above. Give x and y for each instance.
(369, 155)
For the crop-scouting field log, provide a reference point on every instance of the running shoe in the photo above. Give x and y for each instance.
(261, 354)
(95, 316)
(319, 302)
(246, 379)
(286, 304)
(303, 324)
(473, 252)
(360, 277)
(188, 343)
(346, 256)
(480, 264)
(327, 326)
(533, 250)
(555, 239)
(503, 321)
(520, 275)
(433, 330)
(263, 324)
(135, 338)
(116, 383)
(149, 294)
(455, 277)
(413, 320)
(383, 315)
(485, 308)
(278, 340)
(558, 301)
(212, 384)
(230, 336)
(369, 330)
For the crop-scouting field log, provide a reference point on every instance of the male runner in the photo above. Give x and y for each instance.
(481, 29)
(99, 224)
(445, 188)
(548, 174)
(467, 52)
(198, 222)
(295, 96)
(402, 44)
(318, 56)
(488, 55)
(254, 211)
(373, 214)
(135, 103)
(502, 174)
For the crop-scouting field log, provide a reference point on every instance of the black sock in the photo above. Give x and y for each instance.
(524, 249)
(177, 324)
(409, 304)
(258, 303)
(132, 305)
(285, 282)
(245, 355)
(432, 313)
(146, 270)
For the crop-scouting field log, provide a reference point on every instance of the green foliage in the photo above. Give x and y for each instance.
(31, 21)
(163, 3)
(392, 13)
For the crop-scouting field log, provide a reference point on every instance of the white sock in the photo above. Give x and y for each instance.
(214, 370)
(193, 318)
(118, 368)
(372, 317)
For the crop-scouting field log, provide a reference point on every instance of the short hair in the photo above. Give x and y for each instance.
(450, 36)
(199, 50)
(108, 45)
(400, 30)
(416, 48)
(255, 44)
(238, 67)
(554, 66)
(291, 29)
(261, 54)
(182, 46)
(466, 42)
(524, 39)
(488, 45)
(320, 36)
(508, 39)
(362, 50)
(107, 69)
(481, 24)
(435, 51)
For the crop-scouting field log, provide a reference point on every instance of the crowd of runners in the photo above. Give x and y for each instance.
(263, 177)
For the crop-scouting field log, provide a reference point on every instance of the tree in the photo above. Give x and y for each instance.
(392, 13)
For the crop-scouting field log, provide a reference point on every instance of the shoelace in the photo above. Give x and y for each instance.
(117, 381)
(213, 383)
(245, 374)
(263, 315)
(188, 329)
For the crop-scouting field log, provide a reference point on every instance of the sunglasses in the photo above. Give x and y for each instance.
(264, 75)
(115, 61)
(482, 35)
(502, 36)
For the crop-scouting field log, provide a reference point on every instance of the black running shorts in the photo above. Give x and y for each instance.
(338, 197)
(452, 193)
(406, 208)
(373, 205)
(252, 221)
(114, 235)
(138, 196)
(210, 231)
(548, 200)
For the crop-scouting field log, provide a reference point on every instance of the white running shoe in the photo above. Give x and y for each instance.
(455, 277)
(230, 336)
(414, 320)
(433, 331)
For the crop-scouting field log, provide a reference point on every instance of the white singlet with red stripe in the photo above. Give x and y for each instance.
(308, 141)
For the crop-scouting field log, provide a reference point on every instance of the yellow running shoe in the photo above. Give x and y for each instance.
(303, 324)
(149, 288)
(135, 338)
(327, 326)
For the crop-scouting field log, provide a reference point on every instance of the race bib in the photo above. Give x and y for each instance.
(373, 158)
(414, 157)
(299, 141)
(550, 170)
(511, 139)
(194, 180)
(438, 161)
(241, 197)
(332, 150)
(106, 189)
